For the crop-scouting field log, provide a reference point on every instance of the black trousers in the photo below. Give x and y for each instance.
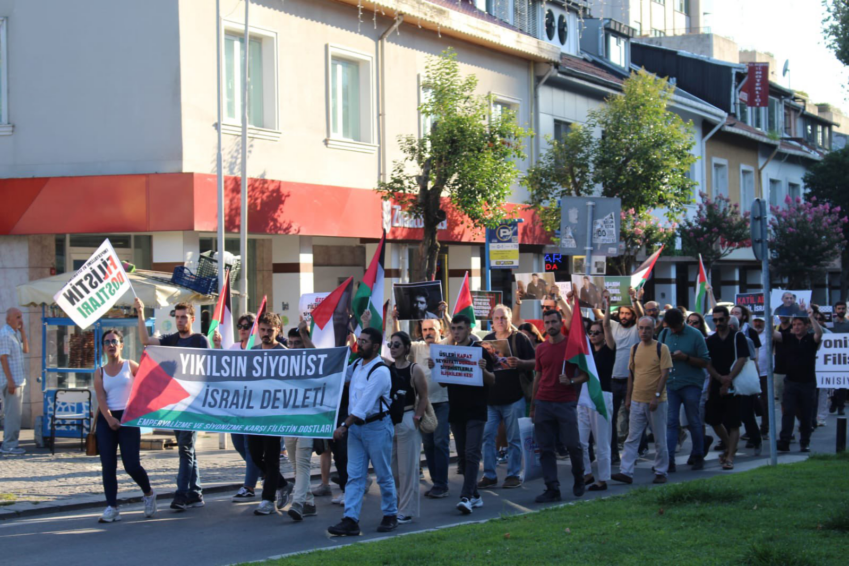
(798, 402)
(265, 452)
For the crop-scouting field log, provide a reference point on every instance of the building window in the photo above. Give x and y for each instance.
(747, 187)
(5, 128)
(657, 33)
(794, 191)
(425, 121)
(616, 50)
(788, 123)
(720, 178)
(824, 137)
(775, 196)
(683, 6)
(772, 114)
(501, 103)
(561, 129)
(810, 133)
(659, 1)
(262, 81)
(350, 100)
(525, 16)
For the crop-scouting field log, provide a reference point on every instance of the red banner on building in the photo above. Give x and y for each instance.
(757, 85)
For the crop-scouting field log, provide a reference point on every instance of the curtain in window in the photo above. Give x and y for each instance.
(345, 99)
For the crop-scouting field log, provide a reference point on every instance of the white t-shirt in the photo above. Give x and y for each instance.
(762, 353)
(118, 387)
(624, 338)
(420, 351)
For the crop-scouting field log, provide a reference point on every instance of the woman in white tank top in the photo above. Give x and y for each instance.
(112, 384)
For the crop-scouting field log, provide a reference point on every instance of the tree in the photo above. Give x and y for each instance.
(836, 28)
(717, 230)
(637, 232)
(804, 238)
(643, 155)
(828, 181)
(467, 156)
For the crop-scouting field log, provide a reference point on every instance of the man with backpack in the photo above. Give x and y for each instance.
(645, 400)
(369, 430)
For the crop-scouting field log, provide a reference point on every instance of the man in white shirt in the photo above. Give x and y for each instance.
(370, 431)
(13, 346)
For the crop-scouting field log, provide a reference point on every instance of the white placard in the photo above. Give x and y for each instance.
(308, 302)
(94, 288)
(456, 364)
(833, 362)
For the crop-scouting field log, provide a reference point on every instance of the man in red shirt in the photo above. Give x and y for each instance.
(554, 408)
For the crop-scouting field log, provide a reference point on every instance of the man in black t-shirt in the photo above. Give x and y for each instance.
(506, 401)
(722, 410)
(189, 492)
(799, 350)
(467, 415)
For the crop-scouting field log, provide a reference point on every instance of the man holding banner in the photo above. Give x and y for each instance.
(189, 491)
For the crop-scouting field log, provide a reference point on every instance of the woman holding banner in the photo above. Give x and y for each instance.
(112, 384)
(407, 447)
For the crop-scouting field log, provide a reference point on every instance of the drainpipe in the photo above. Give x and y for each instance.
(381, 105)
(552, 69)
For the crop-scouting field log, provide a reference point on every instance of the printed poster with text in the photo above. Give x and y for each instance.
(456, 364)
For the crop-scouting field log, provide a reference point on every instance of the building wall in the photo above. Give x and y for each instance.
(737, 151)
(94, 88)
(649, 14)
(706, 44)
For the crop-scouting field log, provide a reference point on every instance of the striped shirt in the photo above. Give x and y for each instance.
(10, 346)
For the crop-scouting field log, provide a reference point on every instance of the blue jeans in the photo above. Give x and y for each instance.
(510, 415)
(688, 396)
(108, 441)
(252, 473)
(188, 475)
(372, 441)
(437, 446)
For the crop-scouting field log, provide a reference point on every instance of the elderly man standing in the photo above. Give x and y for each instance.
(13, 346)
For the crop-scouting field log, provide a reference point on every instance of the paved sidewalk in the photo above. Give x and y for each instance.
(42, 483)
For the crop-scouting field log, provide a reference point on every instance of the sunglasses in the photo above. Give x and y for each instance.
(594, 332)
(111, 342)
(693, 322)
(394, 344)
(243, 326)
(721, 319)
(651, 310)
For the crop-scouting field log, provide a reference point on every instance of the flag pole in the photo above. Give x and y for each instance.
(243, 224)
(218, 156)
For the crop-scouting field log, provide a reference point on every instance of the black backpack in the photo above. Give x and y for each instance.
(397, 395)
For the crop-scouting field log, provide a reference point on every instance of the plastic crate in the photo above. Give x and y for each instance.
(184, 277)
(208, 267)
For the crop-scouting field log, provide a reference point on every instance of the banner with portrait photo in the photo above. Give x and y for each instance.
(790, 303)
(483, 302)
(533, 286)
(588, 290)
(418, 301)
(500, 351)
(456, 364)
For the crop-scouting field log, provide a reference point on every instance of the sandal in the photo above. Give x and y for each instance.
(726, 465)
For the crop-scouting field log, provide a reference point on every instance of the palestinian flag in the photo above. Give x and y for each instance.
(579, 352)
(639, 277)
(464, 301)
(222, 317)
(330, 317)
(370, 292)
(701, 288)
(254, 337)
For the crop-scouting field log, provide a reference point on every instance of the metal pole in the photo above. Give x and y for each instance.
(841, 434)
(770, 389)
(243, 223)
(589, 249)
(218, 157)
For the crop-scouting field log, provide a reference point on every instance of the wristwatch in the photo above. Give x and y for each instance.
(344, 424)
(657, 395)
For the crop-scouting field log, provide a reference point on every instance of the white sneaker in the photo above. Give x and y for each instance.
(5, 450)
(265, 508)
(149, 505)
(476, 501)
(111, 515)
(369, 481)
(339, 500)
(284, 495)
(404, 519)
(465, 506)
(244, 494)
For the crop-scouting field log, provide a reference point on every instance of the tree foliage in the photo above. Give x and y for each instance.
(642, 155)
(467, 156)
(640, 231)
(836, 28)
(804, 238)
(828, 182)
(717, 229)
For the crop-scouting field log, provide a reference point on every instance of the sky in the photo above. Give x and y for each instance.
(789, 29)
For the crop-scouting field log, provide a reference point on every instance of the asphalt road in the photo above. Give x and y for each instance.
(224, 532)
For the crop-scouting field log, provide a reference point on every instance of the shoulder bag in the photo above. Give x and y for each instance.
(747, 381)
(429, 422)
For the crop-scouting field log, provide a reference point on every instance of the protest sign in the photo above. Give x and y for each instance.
(308, 302)
(790, 303)
(418, 301)
(483, 302)
(617, 286)
(588, 289)
(565, 287)
(500, 351)
(265, 392)
(533, 286)
(456, 364)
(752, 301)
(94, 288)
(833, 362)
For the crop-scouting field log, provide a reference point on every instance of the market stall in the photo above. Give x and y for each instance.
(70, 355)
